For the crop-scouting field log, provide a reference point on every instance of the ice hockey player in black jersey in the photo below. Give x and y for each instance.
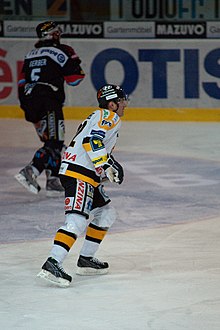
(86, 164)
(41, 94)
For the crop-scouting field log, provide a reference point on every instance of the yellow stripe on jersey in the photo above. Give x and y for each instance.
(95, 233)
(64, 238)
(87, 147)
(82, 177)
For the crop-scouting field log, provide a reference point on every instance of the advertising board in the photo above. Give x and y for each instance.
(156, 74)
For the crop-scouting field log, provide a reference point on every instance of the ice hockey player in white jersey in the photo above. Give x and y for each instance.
(86, 164)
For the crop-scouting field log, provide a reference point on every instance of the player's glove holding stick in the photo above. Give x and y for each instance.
(113, 170)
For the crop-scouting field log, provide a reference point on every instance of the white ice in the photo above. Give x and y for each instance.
(163, 251)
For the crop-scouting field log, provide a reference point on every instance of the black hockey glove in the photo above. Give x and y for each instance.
(113, 170)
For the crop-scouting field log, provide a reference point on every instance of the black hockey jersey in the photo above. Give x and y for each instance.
(46, 68)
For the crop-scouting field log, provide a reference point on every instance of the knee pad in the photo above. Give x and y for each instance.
(75, 223)
(104, 216)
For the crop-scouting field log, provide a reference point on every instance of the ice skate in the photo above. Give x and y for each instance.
(91, 266)
(53, 185)
(53, 272)
(28, 180)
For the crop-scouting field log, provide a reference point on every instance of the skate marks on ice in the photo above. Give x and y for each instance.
(162, 190)
(163, 278)
(157, 190)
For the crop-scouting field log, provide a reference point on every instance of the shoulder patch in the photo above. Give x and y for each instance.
(108, 119)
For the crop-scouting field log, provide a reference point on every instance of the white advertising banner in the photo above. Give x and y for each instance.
(156, 74)
(213, 29)
(18, 28)
(129, 30)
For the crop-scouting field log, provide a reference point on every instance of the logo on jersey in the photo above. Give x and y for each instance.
(68, 203)
(80, 195)
(69, 156)
(106, 123)
(89, 204)
(105, 113)
(61, 58)
(96, 144)
(115, 118)
(90, 191)
(99, 170)
(99, 132)
(99, 160)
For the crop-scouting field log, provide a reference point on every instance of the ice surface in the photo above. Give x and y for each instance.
(163, 250)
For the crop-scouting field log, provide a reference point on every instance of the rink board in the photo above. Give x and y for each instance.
(135, 114)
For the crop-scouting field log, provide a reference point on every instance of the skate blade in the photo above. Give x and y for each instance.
(58, 281)
(19, 177)
(87, 271)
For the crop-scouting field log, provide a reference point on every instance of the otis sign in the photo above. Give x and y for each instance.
(160, 60)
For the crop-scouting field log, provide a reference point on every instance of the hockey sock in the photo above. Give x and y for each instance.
(94, 237)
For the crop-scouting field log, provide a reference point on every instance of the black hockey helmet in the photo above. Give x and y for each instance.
(109, 93)
(45, 30)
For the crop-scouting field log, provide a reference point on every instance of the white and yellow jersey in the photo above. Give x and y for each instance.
(90, 147)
